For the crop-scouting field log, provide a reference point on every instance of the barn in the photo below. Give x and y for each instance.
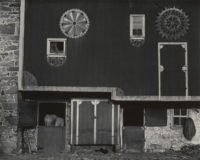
(120, 73)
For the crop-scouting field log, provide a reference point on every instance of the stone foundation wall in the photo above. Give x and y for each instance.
(9, 53)
(158, 139)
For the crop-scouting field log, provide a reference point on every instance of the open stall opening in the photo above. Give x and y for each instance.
(133, 122)
(51, 130)
(133, 116)
(57, 109)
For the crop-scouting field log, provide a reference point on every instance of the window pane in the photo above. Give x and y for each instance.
(183, 112)
(137, 22)
(183, 121)
(137, 32)
(56, 47)
(176, 111)
(176, 121)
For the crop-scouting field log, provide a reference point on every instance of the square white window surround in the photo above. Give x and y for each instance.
(56, 47)
(179, 115)
(137, 26)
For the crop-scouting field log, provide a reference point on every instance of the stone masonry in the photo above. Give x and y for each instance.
(159, 139)
(9, 53)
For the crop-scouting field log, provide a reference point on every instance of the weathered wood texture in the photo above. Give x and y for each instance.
(156, 116)
(104, 123)
(51, 139)
(27, 113)
(86, 123)
(134, 138)
(90, 129)
(173, 80)
(103, 56)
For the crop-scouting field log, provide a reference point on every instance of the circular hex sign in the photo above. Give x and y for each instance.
(172, 23)
(74, 23)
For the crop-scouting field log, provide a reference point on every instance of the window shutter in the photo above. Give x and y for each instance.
(155, 117)
(27, 114)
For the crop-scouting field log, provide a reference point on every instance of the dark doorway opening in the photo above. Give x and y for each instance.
(133, 132)
(133, 116)
(57, 109)
(51, 138)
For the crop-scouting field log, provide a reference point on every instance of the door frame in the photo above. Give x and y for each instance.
(160, 67)
(38, 114)
(95, 102)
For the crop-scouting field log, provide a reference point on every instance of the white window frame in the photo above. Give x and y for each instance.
(132, 26)
(49, 40)
(179, 116)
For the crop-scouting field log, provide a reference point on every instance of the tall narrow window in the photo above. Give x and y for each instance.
(137, 26)
(179, 116)
(56, 51)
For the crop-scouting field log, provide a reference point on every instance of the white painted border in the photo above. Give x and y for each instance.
(21, 44)
(95, 121)
(118, 121)
(77, 123)
(178, 116)
(121, 127)
(49, 40)
(95, 102)
(113, 91)
(131, 26)
(72, 112)
(113, 123)
(160, 46)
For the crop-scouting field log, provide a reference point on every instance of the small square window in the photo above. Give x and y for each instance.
(176, 112)
(56, 47)
(179, 116)
(176, 121)
(183, 111)
(137, 26)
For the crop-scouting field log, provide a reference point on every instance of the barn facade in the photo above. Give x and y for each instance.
(121, 73)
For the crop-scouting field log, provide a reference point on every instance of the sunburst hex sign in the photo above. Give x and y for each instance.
(172, 23)
(74, 23)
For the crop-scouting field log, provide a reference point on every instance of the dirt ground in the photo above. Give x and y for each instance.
(101, 156)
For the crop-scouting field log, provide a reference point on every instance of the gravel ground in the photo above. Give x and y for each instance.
(100, 156)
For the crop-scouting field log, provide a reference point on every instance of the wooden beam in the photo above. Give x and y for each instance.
(114, 93)
(112, 123)
(21, 44)
(72, 112)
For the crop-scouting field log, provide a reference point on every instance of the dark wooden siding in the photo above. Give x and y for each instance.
(27, 113)
(104, 123)
(100, 129)
(51, 139)
(173, 79)
(86, 123)
(104, 56)
(156, 116)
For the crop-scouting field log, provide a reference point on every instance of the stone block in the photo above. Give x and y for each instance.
(7, 29)
(4, 8)
(12, 120)
(14, 4)
(9, 106)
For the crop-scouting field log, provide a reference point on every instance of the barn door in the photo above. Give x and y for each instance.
(173, 74)
(94, 122)
(133, 129)
(107, 123)
(82, 122)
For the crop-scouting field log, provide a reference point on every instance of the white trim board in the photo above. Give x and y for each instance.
(160, 67)
(21, 44)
